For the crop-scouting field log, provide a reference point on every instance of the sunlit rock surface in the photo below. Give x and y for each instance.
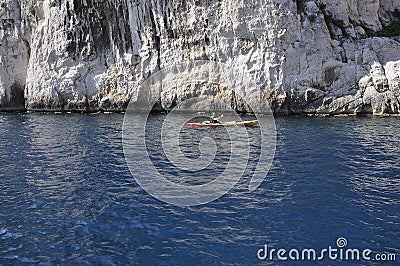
(324, 57)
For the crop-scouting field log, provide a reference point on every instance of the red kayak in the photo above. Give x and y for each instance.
(233, 123)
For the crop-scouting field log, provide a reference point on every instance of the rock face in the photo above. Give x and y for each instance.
(14, 54)
(328, 57)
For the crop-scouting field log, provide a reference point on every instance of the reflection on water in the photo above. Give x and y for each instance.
(67, 196)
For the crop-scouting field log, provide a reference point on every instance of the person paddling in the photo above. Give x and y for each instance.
(214, 119)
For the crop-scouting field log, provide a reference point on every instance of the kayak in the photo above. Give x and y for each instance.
(224, 124)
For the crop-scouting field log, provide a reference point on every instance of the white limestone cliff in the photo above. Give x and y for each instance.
(317, 56)
(14, 55)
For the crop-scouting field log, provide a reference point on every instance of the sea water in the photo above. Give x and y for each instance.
(67, 196)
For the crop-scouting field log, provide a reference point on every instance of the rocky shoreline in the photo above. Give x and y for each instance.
(307, 57)
(276, 115)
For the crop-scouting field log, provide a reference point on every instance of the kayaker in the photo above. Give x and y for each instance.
(215, 120)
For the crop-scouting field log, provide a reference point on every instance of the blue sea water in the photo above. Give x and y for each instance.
(67, 196)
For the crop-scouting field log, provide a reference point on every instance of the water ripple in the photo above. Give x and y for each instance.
(67, 196)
